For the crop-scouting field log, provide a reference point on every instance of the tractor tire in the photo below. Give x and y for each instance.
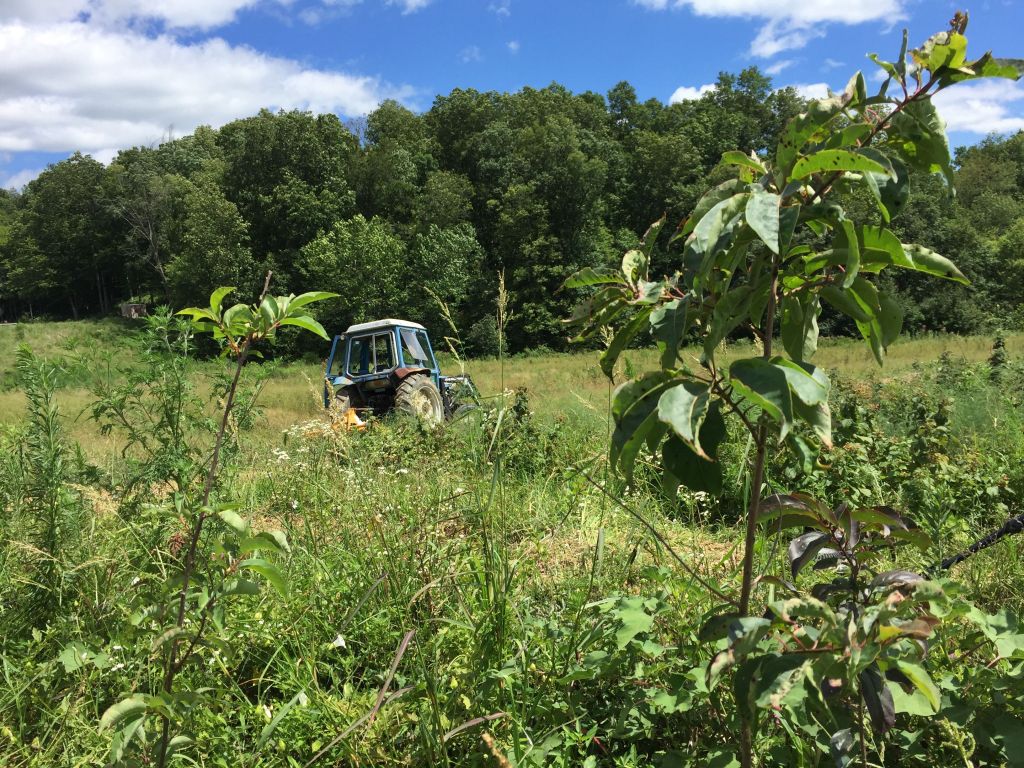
(418, 397)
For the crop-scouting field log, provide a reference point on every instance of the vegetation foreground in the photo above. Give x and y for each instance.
(565, 587)
(550, 624)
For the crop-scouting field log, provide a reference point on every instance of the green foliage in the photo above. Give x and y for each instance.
(187, 607)
(770, 247)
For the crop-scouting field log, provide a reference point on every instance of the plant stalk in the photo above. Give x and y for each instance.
(750, 540)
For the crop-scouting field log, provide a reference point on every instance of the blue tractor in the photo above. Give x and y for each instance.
(389, 365)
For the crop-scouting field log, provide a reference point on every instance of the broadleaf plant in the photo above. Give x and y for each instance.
(207, 572)
(759, 255)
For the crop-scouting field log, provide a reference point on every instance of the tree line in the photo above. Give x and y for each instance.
(397, 208)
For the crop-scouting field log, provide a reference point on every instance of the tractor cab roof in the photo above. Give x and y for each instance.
(389, 323)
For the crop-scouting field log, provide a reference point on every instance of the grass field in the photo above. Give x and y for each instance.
(482, 593)
(560, 384)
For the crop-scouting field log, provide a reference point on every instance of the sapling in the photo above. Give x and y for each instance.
(759, 255)
(208, 576)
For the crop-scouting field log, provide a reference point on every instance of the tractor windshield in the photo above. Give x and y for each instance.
(416, 349)
(371, 354)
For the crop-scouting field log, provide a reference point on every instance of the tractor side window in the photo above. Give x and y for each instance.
(415, 349)
(359, 357)
(383, 348)
(428, 357)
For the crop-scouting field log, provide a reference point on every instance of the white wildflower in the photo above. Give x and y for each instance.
(339, 642)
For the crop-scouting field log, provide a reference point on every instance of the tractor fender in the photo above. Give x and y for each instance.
(402, 373)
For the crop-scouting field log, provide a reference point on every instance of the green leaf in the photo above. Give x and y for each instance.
(131, 708)
(763, 217)
(846, 238)
(716, 222)
(669, 324)
(835, 160)
(589, 276)
(919, 135)
(735, 157)
(799, 325)
(683, 465)
(269, 571)
(765, 385)
(177, 744)
(237, 318)
(307, 323)
(801, 130)
(633, 620)
(268, 313)
(234, 521)
(818, 418)
(296, 302)
(890, 190)
(634, 404)
(199, 314)
(921, 681)
(890, 319)
(621, 340)
(915, 703)
(634, 266)
(808, 383)
(683, 408)
(922, 259)
(732, 308)
(710, 199)
(986, 66)
(239, 587)
(216, 298)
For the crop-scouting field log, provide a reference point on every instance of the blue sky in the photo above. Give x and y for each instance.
(100, 75)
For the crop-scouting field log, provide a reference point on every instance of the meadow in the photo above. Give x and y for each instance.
(483, 594)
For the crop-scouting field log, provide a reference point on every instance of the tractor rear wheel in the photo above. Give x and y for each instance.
(418, 397)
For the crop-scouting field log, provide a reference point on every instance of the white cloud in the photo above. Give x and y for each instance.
(513, 46)
(78, 86)
(689, 93)
(470, 54)
(501, 8)
(811, 90)
(832, 64)
(779, 66)
(176, 14)
(788, 24)
(777, 36)
(410, 6)
(20, 179)
(983, 107)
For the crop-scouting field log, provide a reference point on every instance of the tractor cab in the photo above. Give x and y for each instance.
(389, 365)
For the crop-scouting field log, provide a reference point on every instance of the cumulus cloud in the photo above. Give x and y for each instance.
(788, 25)
(689, 93)
(995, 106)
(175, 14)
(501, 8)
(513, 46)
(76, 85)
